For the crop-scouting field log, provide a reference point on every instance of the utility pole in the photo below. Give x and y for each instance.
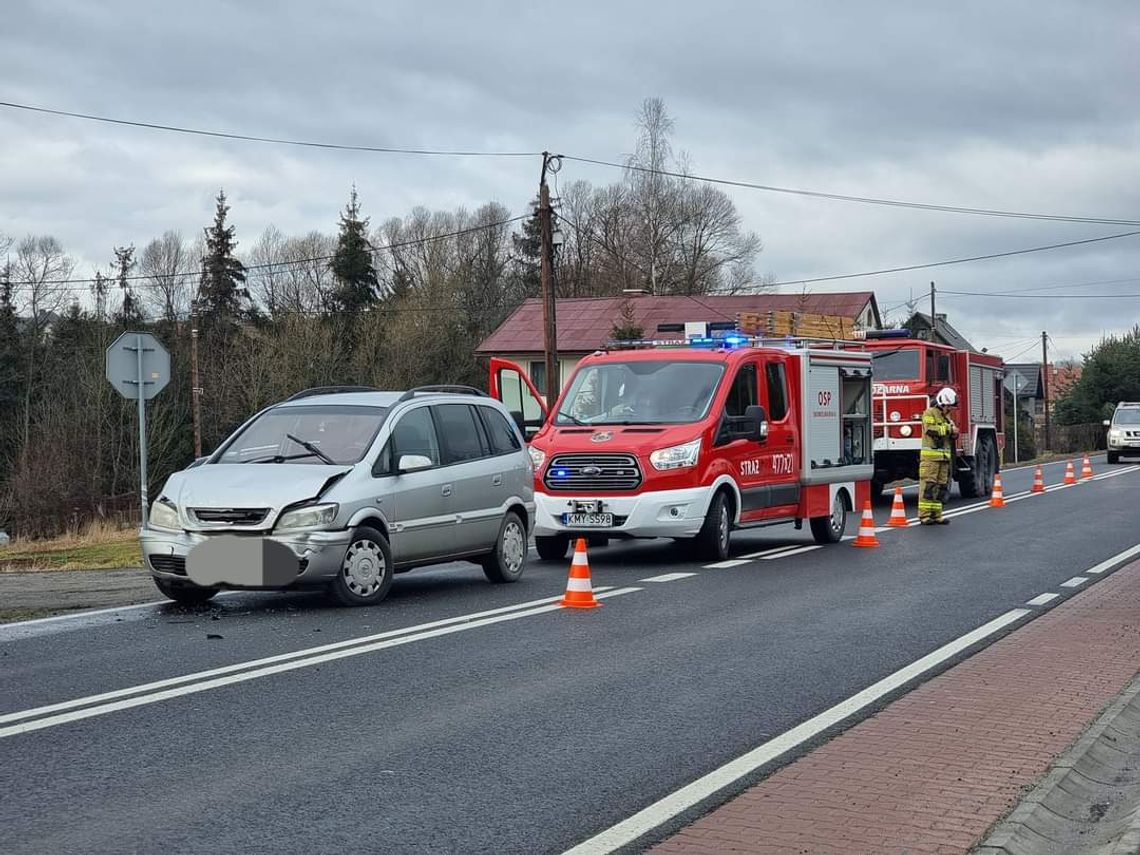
(195, 388)
(546, 272)
(933, 315)
(1045, 382)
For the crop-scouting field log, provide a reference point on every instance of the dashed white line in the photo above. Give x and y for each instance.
(667, 577)
(724, 565)
(1115, 560)
(1042, 599)
(770, 551)
(785, 554)
(1075, 582)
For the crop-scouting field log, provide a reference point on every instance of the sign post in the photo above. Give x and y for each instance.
(138, 366)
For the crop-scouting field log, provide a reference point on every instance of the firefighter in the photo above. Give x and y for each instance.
(938, 434)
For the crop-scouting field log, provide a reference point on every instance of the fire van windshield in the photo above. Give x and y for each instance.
(640, 392)
(896, 365)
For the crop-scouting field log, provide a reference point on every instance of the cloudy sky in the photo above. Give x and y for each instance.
(1023, 106)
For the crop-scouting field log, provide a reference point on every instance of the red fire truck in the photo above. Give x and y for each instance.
(908, 373)
(691, 440)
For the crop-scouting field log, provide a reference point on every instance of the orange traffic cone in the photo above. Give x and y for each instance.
(898, 510)
(1086, 469)
(1038, 481)
(579, 592)
(997, 500)
(866, 529)
(1070, 474)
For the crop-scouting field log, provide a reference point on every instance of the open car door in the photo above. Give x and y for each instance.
(510, 385)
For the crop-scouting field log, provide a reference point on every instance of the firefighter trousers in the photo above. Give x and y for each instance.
(933, 487)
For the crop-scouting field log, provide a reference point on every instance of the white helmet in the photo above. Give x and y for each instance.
(946, 398)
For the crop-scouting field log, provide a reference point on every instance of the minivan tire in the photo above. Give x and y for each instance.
(508, 560)
(185, 593)
(366, 570)
(712, 543)
(552, 547)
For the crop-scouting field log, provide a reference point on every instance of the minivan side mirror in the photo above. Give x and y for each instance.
(414, 463)
(757, 420)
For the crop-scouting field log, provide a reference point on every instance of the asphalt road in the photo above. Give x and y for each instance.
(500, 727)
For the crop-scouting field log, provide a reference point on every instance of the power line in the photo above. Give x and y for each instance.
(926, 266)
(273, 140)
(115, 280)
(1038, 296)
(866, 200)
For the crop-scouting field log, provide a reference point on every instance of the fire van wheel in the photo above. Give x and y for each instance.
(713, 540)
(830, 529)
(980, 480)
(552, 547)
(186, 594)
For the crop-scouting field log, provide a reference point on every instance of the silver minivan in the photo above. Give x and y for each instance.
(341, 488)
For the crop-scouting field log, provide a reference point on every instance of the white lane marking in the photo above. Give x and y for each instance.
(1075, 582)
(1119, 558)
(269, 660)
(799, 551)
(1042, 599)
(646, 820)
(724, 565)
(193, 688)
(667, 577)
(1106, 475)
(769, 551)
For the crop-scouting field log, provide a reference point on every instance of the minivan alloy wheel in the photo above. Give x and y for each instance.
(363, 567)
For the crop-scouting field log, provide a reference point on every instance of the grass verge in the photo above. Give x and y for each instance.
(103, 551)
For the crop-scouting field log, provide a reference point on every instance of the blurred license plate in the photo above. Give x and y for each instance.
(588, 520)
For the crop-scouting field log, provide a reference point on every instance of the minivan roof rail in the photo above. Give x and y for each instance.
(441, 390)
(329, 390)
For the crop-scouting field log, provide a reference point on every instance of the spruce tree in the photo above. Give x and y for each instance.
(223, 292)
(356, 282)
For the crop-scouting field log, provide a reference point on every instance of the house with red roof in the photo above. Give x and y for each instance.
(586, 324)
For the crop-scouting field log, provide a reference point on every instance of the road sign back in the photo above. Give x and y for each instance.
(123, 365)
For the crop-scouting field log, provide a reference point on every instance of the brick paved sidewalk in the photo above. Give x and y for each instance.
(934, 770)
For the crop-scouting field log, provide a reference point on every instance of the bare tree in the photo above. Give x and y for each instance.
(169, 267)
(40, 261)
(656, 196)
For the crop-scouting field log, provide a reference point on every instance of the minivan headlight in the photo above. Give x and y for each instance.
(164, 514)
(310, 516)
(677, 456)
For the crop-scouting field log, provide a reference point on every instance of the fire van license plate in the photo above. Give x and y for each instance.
(588, 520)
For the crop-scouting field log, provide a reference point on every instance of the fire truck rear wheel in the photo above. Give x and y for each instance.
(713, 541)
(552, 547)
(830, 529)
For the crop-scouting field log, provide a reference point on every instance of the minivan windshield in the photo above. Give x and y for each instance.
(640, 392)
(1127, 416)
(896, 364)
(323, 435)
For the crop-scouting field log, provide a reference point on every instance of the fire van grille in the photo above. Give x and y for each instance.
(229, 516)
(608, 472)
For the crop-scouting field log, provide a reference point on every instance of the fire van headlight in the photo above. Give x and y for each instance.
(905, 430)
(164, 514)
(677, 456)
(536, 457)
(310, 516)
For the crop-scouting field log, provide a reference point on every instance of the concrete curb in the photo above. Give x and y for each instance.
(1044, 819)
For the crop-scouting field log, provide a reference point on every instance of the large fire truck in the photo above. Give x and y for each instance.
(908, 373)
(690, 440)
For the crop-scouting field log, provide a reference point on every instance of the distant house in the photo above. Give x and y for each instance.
(921, 327)
(1030, 382)
(586, 324)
